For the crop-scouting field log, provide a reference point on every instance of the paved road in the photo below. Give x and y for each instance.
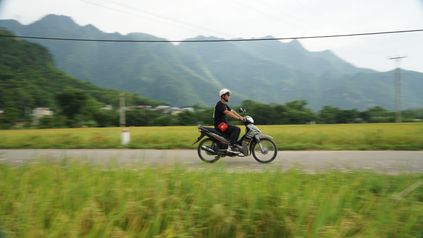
(309, 161)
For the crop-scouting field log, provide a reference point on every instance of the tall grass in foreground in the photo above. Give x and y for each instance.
(380, 136)
(76, 200)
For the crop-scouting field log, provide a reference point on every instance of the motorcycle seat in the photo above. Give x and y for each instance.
(211, 129)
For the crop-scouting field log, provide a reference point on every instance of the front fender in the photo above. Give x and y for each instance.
(263, 136)
(256, 139)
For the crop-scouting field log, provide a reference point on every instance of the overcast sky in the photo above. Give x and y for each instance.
(181, 19)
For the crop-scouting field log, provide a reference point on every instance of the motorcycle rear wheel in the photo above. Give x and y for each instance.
(207, 156)
(269, 153)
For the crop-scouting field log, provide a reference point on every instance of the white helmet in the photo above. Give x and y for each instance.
(224, 91)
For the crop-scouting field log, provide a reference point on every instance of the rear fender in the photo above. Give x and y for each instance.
(199, 138)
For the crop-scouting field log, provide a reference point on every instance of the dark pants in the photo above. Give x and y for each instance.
(233, 133)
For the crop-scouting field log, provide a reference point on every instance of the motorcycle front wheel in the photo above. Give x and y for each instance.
(206, 150)
(265, 151)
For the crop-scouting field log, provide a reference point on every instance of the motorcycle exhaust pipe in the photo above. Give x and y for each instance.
(208, 149)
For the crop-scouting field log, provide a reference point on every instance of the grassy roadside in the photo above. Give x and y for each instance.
(77, 200)
(384, 136)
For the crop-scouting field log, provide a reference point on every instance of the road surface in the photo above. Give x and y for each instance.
(309, 161)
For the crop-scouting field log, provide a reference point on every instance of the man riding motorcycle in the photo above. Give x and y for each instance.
(221, 110)
(213, 142)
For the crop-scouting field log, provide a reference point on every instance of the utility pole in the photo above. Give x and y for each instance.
(122, 120)
(397, 84)
(125, 136)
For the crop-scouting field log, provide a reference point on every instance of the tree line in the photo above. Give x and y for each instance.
(76, 108)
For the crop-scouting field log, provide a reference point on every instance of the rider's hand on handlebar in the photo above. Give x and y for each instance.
(242, 119)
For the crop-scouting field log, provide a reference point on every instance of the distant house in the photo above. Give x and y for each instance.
(145, 107)
(173, 110)
(107, 107)
(140, 107)
(163, 108)
(40, 112)
(177, 110)
(188, 109)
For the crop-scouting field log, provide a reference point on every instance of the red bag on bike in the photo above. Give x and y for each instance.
(222, 126)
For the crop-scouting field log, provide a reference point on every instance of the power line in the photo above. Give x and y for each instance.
(127, 9)
(212, 40)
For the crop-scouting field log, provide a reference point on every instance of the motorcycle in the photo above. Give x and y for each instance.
(215, 145)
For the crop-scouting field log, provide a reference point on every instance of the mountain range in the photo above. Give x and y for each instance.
(192, 73)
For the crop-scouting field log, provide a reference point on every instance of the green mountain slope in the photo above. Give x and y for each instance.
(153, 70)
(188, 74)
(29, 79)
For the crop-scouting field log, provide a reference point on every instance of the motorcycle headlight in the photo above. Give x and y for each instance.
(249, 119)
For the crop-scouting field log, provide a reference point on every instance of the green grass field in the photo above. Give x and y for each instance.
(384, 136)
(78, 200)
